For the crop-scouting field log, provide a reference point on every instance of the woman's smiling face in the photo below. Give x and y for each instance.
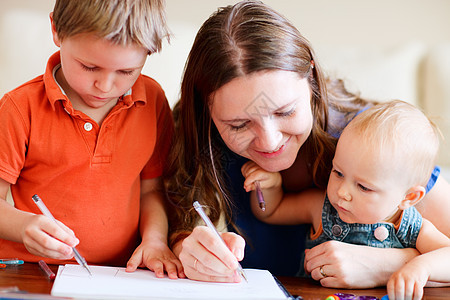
(265, 117)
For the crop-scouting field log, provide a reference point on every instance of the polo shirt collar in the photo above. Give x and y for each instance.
(134, 96)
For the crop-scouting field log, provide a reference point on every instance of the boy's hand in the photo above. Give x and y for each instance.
(157, 257)
(253, 172)
(408, 282)
(43, 237)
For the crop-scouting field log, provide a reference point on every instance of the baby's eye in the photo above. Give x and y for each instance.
(363, 188)
(338, 174)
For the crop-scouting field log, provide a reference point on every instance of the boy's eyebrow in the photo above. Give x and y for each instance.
(81, 61)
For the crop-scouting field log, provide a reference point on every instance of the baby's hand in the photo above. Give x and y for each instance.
(43, 237)
(157, 257)
(252, 172)
(408, 282)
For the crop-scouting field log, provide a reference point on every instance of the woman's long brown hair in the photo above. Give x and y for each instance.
(236, 41)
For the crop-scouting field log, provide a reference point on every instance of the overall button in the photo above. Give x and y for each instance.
(88, 126)
(336, 230)
(381, 233)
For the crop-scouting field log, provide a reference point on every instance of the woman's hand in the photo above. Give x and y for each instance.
(252, 172)
(341, 265)
(272, 193)
(206, 258)
(43, 237)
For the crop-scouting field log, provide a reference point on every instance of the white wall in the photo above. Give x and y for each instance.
(377, 25)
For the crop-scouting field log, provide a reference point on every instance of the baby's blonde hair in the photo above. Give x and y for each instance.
(122, 22)
(402, 131)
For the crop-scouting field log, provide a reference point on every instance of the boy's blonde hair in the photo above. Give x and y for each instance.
(122, 22)
(400, 130)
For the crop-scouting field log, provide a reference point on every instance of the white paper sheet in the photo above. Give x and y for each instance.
(114, 283)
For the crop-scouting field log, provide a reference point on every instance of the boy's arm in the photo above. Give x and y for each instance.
(39, 234)
(153, 251)
(12, 219)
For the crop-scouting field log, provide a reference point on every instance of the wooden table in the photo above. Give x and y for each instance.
(312, 290)
(30, 278)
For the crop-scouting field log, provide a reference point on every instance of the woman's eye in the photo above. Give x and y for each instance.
(286, 113)
(238, 127)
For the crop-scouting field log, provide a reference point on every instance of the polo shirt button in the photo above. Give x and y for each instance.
(88, 126)
(336, 230)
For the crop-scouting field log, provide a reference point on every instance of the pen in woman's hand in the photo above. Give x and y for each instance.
(260, 196)
(208, 222)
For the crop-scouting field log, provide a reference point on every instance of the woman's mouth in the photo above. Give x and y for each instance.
(274, 152)
(275, 149)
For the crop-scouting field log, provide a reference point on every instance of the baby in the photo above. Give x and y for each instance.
(382, 164)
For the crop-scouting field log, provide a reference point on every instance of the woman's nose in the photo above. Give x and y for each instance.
(268, 136)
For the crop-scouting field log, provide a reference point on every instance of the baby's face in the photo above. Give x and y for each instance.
(364, 187)
(98, 72)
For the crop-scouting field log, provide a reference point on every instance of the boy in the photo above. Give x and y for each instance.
(382, 163)
(87, 137)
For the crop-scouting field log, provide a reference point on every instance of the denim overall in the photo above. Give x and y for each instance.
(364, 234)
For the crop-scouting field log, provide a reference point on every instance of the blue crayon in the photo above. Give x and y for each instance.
(11, 261)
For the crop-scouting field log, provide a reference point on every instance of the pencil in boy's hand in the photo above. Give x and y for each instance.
(43, 208)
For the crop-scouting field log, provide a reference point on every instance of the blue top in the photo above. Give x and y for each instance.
(275, 248)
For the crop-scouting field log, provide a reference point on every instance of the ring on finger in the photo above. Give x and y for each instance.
(323, 272)
(195, 264)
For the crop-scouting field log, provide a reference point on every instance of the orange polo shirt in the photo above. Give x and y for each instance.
(88, 176)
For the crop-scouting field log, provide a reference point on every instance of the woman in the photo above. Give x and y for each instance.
(252, 89)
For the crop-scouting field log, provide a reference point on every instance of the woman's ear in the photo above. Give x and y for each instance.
(54, 34)
(412, 197)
